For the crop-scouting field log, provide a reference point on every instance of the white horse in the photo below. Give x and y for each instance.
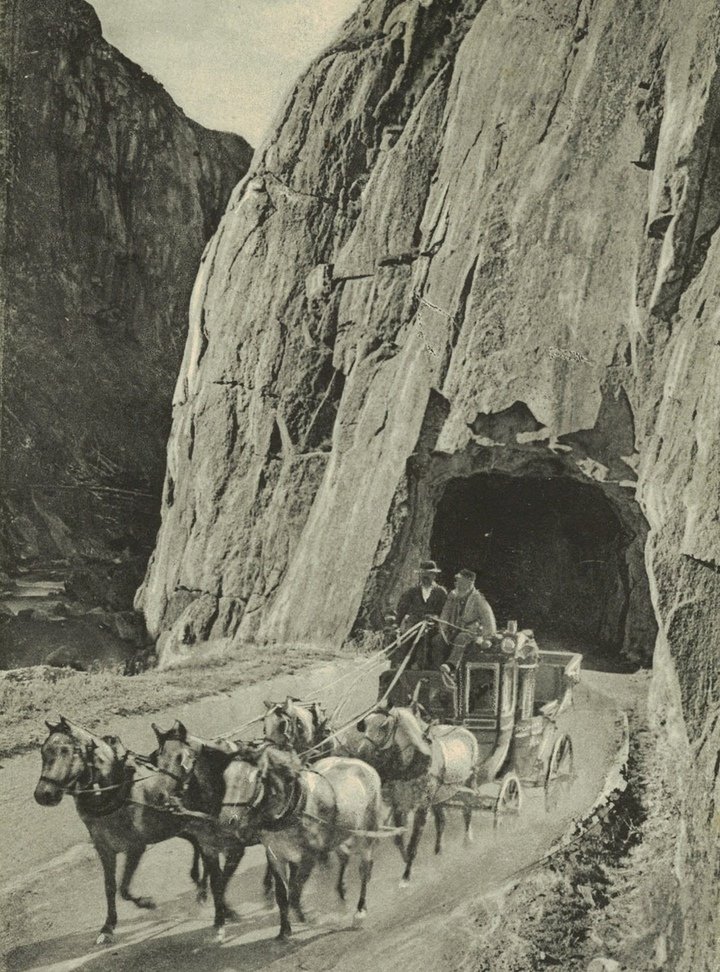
(302, 814)
(421, 768)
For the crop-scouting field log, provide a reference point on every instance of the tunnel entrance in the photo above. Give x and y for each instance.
(548, 552)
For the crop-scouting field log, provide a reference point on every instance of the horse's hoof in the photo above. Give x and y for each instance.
(146, 903)
(300, 915)
(438, 849)
(104, 938)
(283, 935)
(469, 839)
(359, 918)
(220, 935)
(231, 914)
(404, 883)
(201, 895)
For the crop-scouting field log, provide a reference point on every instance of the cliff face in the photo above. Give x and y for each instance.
(482, 240)
(112, 194)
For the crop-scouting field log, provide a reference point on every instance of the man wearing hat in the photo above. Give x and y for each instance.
(427, 597)
(466, 617)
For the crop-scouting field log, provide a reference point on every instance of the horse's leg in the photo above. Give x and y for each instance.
(132, 859)
(108, 859)
(417, 831)
(299, 873)
(468, 809)
(366, 867)
(400, 820)
(217, 887)
(232, 860)
(281, 894)
(467, 817)
(344, 858)
(198, 872)
(439, 814)
(268, 889)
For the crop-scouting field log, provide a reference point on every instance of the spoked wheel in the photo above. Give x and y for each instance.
(509, 799)
(560, 772)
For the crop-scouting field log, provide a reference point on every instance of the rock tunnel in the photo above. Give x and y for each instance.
(552, 548)
(550, 553)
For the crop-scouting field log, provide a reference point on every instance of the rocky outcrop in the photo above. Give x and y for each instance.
(466, 211)
(112, 194)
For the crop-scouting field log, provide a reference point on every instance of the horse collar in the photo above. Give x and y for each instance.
(294, 808)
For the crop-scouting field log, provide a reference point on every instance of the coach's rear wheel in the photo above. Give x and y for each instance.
(560, 772)
(509, 799)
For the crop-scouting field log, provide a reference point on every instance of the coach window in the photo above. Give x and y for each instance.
(481, 693)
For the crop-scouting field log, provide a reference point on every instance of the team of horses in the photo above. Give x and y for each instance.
(301, 791)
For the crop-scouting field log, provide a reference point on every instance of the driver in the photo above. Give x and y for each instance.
(425, 599)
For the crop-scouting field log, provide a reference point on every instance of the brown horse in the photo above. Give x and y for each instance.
(421, 767)
(123, 806)
(200, 764)
(301, 814)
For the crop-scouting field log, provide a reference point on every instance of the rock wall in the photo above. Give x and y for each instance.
(111, 196)
(482, 209)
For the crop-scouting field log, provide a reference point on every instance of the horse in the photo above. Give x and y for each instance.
(123, 812)
(421, 768)
(200, 764)
(302, 814)
(299, 725)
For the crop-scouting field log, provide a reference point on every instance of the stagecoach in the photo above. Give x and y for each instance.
(511, 696)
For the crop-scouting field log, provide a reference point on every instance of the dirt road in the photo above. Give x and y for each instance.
(53, 909)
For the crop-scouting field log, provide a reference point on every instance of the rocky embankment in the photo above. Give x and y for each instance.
(112, 194)
(483, 237)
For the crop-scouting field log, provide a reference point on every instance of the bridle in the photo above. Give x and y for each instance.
(389, 736)
(70, 785)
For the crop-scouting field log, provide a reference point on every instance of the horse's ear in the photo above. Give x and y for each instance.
(181, 731)
(361, 726)
(159, 734)
(268, 705)
(53, 728)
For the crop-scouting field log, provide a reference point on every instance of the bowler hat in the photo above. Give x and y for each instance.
(428, 567)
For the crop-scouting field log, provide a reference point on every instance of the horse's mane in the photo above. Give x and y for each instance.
(412, 727)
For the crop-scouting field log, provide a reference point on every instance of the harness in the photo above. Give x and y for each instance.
(294, 807)
(417, 767)
(88, 792)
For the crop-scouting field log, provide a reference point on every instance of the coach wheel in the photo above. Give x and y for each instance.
(509, 799)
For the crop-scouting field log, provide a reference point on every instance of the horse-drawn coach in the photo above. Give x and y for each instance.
(510, 695)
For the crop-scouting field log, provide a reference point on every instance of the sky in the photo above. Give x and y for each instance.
(229, 64)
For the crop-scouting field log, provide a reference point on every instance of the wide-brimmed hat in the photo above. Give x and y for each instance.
(428, 567)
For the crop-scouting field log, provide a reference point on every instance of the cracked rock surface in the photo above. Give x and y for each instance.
(478, 204)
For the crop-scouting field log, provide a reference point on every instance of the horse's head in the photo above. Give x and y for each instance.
(391, 734)
(289, 724)
(68, 754)
(377, 732)
(277, 724)
(177, 752)
(259, 786)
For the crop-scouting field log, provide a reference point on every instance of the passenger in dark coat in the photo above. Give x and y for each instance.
(426, 598)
